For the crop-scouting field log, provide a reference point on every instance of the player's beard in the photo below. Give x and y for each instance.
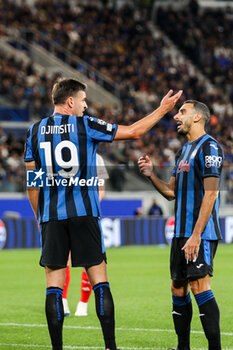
(185, 129)
(182, 132)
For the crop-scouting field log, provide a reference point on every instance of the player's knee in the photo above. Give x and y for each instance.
(200, 285)
(179, 288)
(173, 289)
(194, 287)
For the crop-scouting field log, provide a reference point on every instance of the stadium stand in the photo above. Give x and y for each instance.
(125, 50)
(12, 173)
(23, 86)
(205, 36)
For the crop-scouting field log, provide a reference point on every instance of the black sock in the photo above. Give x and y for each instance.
(55, 315)
(182, 315)
(105, 312)
(210, 316)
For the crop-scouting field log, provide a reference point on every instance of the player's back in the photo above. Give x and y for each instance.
(64, 147)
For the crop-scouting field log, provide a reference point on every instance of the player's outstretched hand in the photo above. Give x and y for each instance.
(170, 100)
(145, 166)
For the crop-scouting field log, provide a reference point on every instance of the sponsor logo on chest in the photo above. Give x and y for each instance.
(183, 166)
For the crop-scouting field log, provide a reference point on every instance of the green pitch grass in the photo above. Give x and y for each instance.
(140, 284)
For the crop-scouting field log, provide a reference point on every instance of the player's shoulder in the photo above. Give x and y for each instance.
(29, 131)
(86, 117)
(89, 120)
(94, 120)
(211, 139)
(37, 124)
(212, 144)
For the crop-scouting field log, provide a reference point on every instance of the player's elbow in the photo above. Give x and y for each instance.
(211, 195)
(134, 133)
(170, 197)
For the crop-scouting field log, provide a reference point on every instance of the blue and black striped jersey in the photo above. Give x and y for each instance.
(64, 147)
(194, 162)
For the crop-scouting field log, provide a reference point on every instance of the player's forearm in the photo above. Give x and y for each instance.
(162, 187)
(33, 196)
(140, 127)
(145, 124)
(205, 212)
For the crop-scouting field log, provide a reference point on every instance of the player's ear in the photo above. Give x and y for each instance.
(70, 102)
(197, 117)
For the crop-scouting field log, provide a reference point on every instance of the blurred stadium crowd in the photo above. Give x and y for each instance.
(119, 43)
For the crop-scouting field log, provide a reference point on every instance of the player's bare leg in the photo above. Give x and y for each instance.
(55, 279)
(209, 311)
(182, 313)
(97, 275)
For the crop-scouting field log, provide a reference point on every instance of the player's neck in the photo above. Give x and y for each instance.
(62, 110)
(195, 134)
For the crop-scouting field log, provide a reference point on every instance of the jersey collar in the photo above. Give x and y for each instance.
(59, 115)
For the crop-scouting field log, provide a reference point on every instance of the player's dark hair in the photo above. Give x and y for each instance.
(201, 108)
(64, 88)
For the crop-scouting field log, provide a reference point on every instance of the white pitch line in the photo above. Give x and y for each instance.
(71, 347)
(76, 347)
(93, 327)
(91, 347)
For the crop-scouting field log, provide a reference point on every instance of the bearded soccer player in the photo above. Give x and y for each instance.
(195, 187)
(63, 146)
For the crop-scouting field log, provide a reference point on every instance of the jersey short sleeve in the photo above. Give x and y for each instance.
(176, 162)
(101, 169)
(211, 159)
(28, 153)
(100, 130)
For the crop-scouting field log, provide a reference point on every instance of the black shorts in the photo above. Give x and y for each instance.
(203, 266)
(80, 235)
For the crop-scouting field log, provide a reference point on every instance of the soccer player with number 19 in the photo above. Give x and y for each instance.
(63, 147)
(195, 187)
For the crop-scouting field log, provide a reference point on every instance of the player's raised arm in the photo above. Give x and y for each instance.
(165, 189)
(143, 125)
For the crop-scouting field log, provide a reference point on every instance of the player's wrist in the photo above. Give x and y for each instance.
(196, 234)
(151, 176)
(163, 109)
